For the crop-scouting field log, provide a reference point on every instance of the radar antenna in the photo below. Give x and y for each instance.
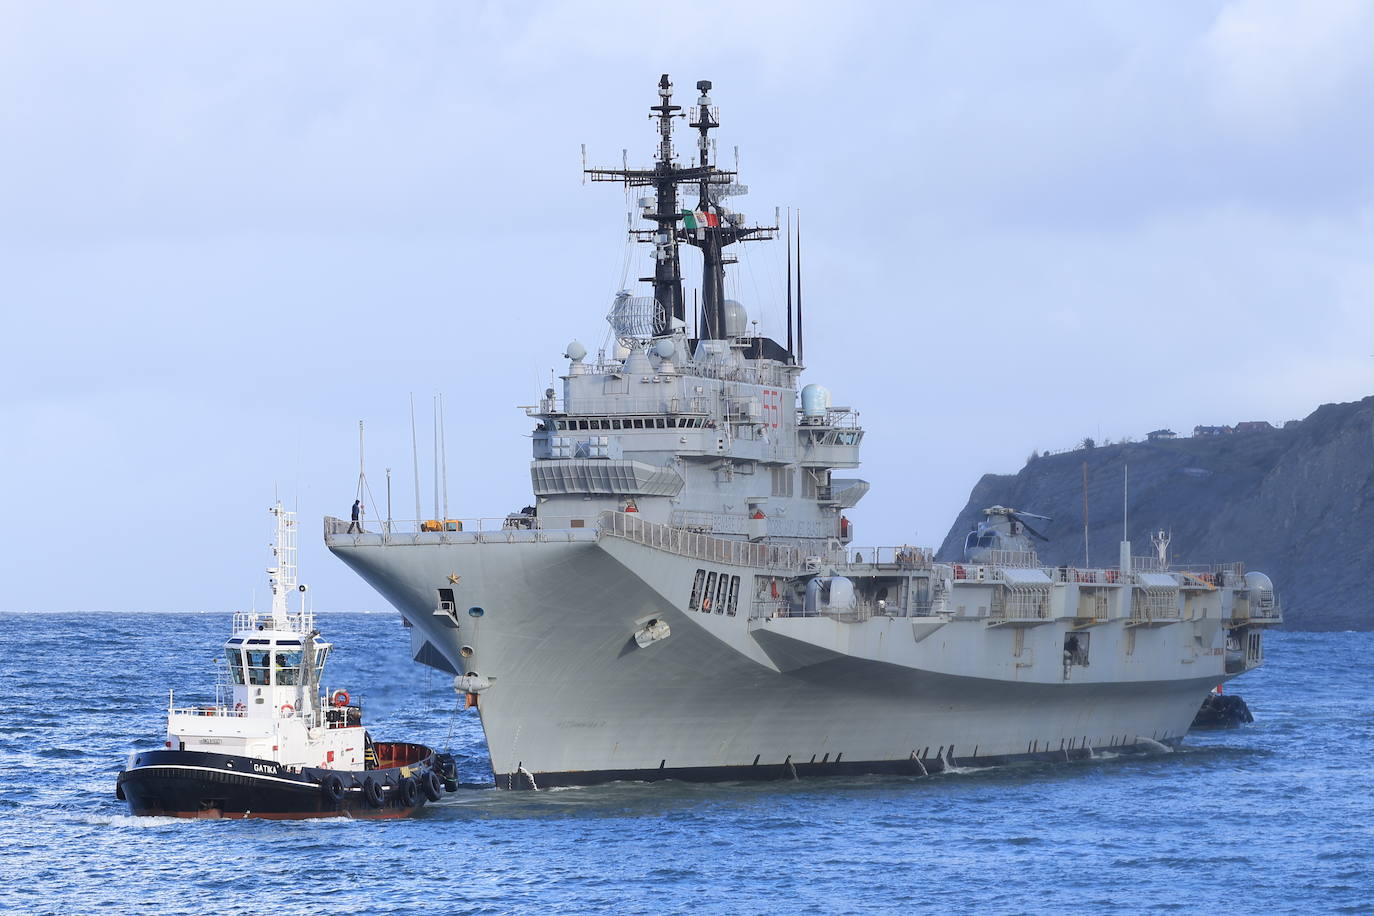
(710, 227)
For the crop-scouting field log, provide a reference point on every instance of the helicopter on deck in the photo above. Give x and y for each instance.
(1003, 529)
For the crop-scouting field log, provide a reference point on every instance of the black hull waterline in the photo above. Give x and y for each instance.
(941, 761)
(205, 785)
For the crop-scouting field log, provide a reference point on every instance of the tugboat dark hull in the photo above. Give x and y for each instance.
(195, 784)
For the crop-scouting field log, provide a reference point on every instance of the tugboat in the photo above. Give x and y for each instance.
(272, 745)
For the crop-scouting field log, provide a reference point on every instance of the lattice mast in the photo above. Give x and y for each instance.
(716, 228)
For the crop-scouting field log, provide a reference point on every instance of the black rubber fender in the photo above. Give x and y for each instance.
(332, 788)
(408, 792)
(372, 792)
(432, 785)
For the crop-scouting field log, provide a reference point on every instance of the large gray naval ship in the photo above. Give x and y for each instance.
(684, 600)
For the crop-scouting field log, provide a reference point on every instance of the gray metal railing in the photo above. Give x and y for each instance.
(696, 545)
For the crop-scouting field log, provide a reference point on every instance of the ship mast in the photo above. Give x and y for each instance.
(710, 232)
(282, 577)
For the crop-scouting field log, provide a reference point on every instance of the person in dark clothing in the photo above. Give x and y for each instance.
(357, 523)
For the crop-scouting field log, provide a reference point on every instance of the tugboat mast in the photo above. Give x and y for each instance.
(704, 228)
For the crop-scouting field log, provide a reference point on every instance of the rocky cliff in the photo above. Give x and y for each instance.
(1296, 503)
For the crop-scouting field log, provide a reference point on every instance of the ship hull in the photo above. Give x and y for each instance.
(575, 699)
(193, 784)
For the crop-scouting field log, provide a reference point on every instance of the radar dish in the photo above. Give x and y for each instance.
(633, 317)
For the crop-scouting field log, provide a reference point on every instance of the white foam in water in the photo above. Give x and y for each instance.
(948, 765)
(1154, 745)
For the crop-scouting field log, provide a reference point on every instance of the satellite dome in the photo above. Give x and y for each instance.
(575, 351)
(665, 349)
(736, 319)
(815, 400)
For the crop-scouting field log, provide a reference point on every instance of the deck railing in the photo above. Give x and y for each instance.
(902, 557)
(696, 545)
(507, 529)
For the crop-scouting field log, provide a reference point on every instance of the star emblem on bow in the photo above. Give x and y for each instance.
(453, 578)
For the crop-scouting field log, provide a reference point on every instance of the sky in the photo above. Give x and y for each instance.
(229, 233)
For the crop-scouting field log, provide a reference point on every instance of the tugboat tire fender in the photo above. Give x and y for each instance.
(332, 787)
(432, 785)
(408, 792)
(372, 792)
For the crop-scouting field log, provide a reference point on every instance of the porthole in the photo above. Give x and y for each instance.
(475, 612)
(465, 651)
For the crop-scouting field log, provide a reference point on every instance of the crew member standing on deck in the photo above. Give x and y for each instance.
(357, 523)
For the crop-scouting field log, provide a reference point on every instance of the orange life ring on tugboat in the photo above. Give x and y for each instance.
(287, 710)
(339, 698)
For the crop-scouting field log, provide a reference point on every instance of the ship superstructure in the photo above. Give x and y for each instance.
(683, 599)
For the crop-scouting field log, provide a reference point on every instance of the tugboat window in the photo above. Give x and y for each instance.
(260, 667)
(288, 666)
(235, 658)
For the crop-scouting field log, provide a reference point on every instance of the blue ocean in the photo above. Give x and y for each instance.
(1274, 817)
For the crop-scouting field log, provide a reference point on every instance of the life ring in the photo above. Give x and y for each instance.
(372, 792)
(339, 698)
(774, 588)
(287, 710)
(332, 788)
(432, 785)
(239, 708)
(408, 792)
(705, 604)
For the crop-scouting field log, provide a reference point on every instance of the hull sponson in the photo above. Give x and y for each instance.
(573, 698)
(195, 784)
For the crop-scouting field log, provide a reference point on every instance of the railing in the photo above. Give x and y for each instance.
(780, 608)
(903, 557)
(696, 545)
(1213, 573)
(509, 529)
(1151, 604)
(659, 405)
(298, 621)
(1064, 574)
(207, 711)
(1014, 603)
(1024, 559)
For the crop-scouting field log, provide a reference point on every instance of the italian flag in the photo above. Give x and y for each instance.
(700, 220)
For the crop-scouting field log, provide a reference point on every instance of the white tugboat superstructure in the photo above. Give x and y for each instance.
(682, 599)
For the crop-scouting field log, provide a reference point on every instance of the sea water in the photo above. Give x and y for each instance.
(1272, 817)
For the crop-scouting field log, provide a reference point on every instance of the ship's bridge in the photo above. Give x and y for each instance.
(268, 658)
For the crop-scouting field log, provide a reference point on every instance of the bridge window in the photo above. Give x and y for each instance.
(288, 668)
(259, 667)
(235, 660)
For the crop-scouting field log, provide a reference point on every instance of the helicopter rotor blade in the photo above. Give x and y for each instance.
(1032, 530)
